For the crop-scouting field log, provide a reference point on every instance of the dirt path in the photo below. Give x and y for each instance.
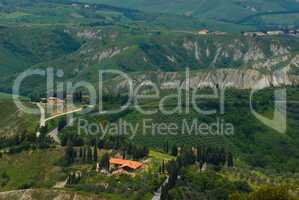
(62, 114)
(54, 135)
(42, 121)
(157, 195)
(60, 185)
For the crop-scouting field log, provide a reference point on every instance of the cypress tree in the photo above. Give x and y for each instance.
(124, 154)
(129, 149)
(84, 155)
(167, 147)
(230, 160)
(74, 154)
(61, 123)
(80, 153)
(69, 153)
(80, 96)
(89, 155)
(163, 167)
(95, 154)
(105, 161)
(174, 150)
(198, 154)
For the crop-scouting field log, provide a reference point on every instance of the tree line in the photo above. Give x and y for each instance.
(25, 140)
(188, 156)
(88, 153)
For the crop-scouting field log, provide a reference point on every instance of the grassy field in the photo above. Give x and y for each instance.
(14, 120)
(48, 194)
(156, 159)
(258, 179)
(28, 169)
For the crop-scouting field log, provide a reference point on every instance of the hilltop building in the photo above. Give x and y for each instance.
(54, 101)
(275, 32)
(203, 32)
(252, 34)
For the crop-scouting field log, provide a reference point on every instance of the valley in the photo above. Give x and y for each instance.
(144, 100)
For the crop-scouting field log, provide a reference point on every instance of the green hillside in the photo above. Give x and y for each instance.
(68, 13)
(226, 155)
(252, 142)
(15, 121)
(81, 51)
(21, 48)
(232, 11)
(229, 15)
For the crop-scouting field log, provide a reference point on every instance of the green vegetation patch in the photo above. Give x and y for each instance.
(30, 169)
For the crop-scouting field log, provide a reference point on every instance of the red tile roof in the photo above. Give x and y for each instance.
(126, 163)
